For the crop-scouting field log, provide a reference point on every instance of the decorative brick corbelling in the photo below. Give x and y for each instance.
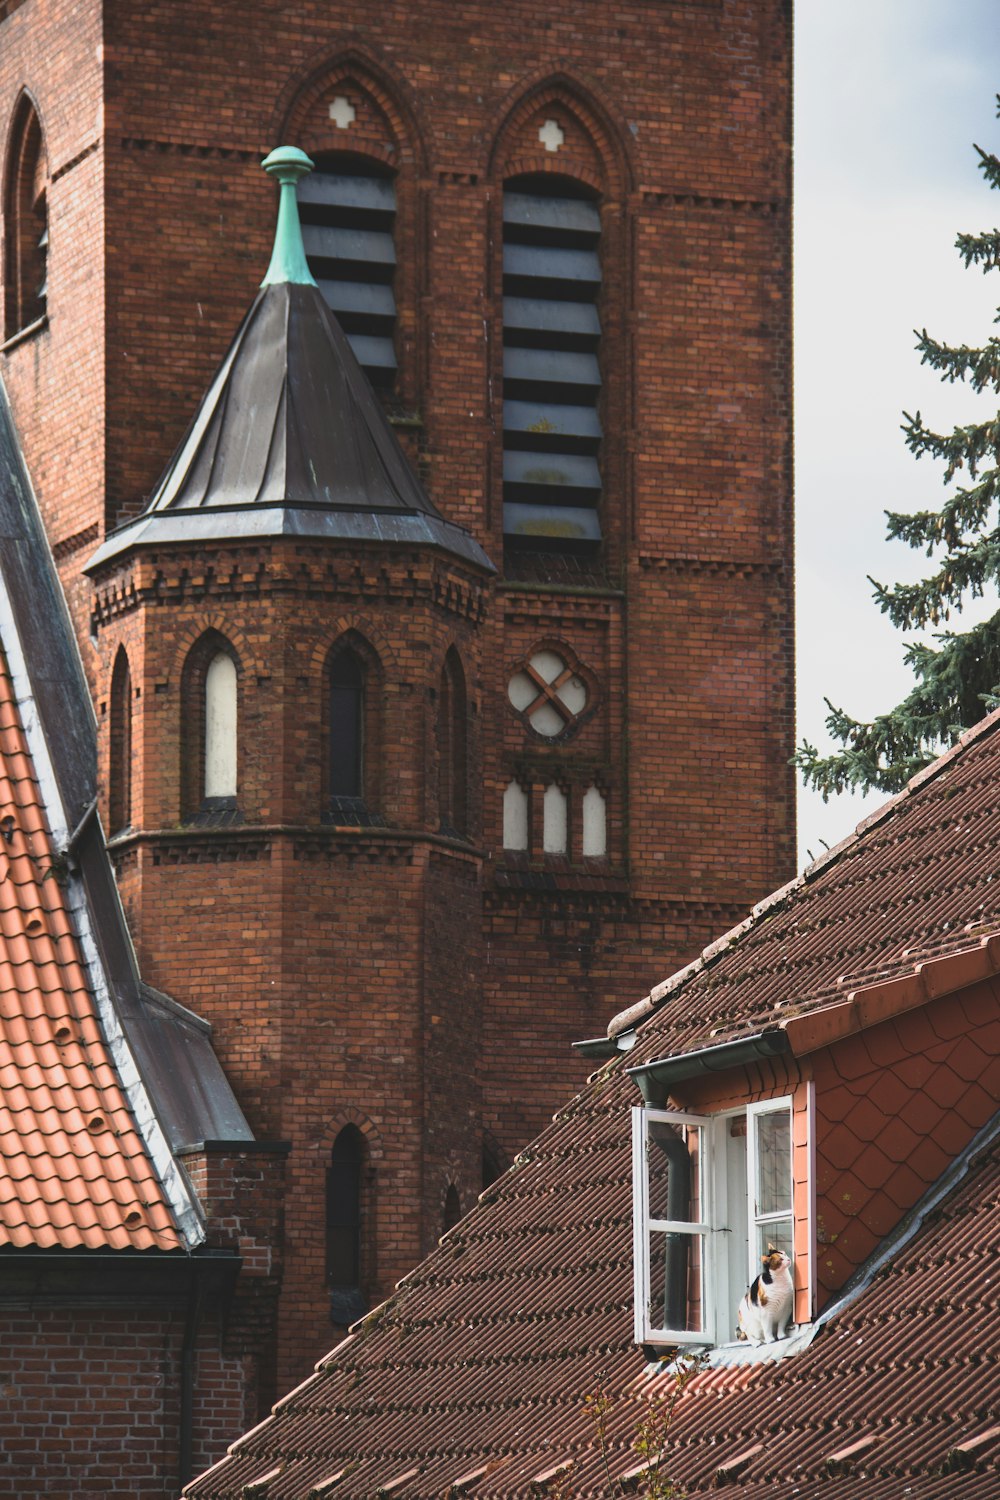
(377, 576)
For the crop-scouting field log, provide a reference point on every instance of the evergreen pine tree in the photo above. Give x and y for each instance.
(958, 680)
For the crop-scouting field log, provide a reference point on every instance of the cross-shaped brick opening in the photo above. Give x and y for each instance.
(342, 112)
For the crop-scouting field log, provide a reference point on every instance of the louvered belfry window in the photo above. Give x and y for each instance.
(552, 381)
(348, 212)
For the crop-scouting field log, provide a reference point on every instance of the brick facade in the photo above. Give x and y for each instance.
(423, 987)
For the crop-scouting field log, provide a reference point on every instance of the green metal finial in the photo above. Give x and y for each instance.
(288, 258)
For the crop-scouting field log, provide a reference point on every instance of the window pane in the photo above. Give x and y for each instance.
(777, 1235)
(675, 1282)
(774, 1161)
(673, 1166)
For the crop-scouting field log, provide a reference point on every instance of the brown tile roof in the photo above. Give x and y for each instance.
(476, 1374)
(916, 881)
(473, 1379)
(75, 1170)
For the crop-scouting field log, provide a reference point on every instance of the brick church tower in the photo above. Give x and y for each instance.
(444, 673)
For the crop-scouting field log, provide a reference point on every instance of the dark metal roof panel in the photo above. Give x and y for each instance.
(393, 528)
(290, 428)
(174, 1046)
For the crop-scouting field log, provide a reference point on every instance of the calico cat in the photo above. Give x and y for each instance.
(766, 1309)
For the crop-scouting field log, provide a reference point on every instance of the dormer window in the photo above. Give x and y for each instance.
(711, 1194)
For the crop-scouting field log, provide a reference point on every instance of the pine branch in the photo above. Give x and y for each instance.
(956, 684)
(981, 367)
(964, 575)
(962, 448)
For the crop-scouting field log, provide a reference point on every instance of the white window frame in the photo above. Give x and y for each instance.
(721, 1284)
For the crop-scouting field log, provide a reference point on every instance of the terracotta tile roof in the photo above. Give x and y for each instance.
(75, 1169)
(915, 882)
(475, 1374)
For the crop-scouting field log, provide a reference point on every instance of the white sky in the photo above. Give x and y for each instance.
(890, 95)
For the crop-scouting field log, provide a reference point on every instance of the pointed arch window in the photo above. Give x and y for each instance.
(26, 223)
(552, 380)
(120, 748)
(452, 1210)
(344, 1224)
(210, 730)
(453, 770)
(220, 729)
(348, 212)
(347, 727)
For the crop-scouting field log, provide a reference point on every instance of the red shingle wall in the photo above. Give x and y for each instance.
(894, 1106)
(91, 1403)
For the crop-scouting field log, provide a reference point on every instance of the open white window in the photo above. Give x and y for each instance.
(710, 1193)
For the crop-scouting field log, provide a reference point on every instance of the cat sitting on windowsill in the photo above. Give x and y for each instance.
(766, 1309)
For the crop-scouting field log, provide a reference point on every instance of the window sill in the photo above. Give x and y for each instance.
(731, 1356)
(24, 334)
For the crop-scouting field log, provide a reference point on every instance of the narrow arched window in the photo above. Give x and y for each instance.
(120, 748)
(348, 212)
(26, 223)
(595, 824)
(552, 381)
(347, 727)
(452, 1209)
(555, 820)
(220, 728)
(344, 1209)
(452, 736)
(515, 817)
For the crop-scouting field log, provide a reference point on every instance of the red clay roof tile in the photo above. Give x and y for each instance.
(68, 1180)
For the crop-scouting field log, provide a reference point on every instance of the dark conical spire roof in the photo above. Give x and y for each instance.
(290, 437)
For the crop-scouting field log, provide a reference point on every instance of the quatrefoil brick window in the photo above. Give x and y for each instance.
(548, 693)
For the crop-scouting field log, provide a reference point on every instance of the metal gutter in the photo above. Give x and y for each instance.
(655, 1079)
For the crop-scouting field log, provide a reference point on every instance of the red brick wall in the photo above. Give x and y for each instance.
(55, 377)
(91, 1403)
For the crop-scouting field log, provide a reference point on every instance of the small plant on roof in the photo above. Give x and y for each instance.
(647, 1479)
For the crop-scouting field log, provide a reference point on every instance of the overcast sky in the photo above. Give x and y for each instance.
(890, 96)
